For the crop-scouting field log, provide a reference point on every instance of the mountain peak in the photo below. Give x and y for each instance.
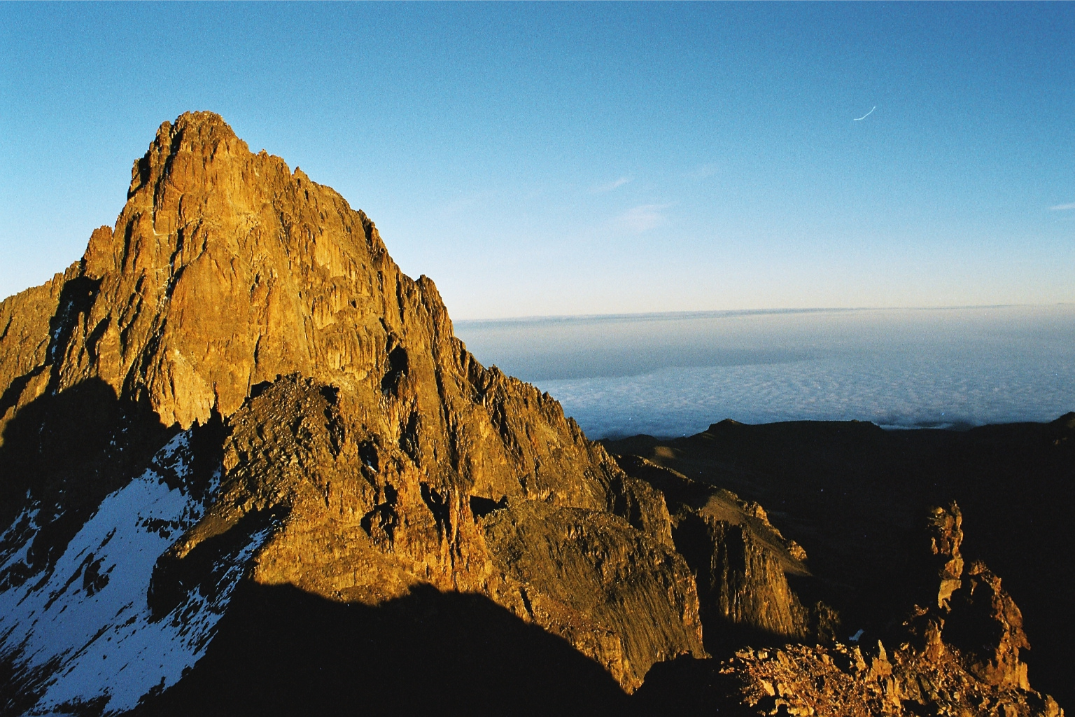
(225, 269)
(202, 134)
(201, 119)
(197, 132)
(233, 292)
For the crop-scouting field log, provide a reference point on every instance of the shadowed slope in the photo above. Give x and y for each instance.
(281, 651)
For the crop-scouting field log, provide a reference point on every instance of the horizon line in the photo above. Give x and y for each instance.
(714, 313)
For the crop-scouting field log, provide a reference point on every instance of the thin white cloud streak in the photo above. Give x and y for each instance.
(1062, 207)
(859, 119)
(603, 188)
(642, 218)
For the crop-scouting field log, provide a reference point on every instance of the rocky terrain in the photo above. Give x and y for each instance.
(959, 653)
(853, 495)
(246, 467)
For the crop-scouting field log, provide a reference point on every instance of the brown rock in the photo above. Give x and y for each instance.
(386, 458)
(577, 574)
(28, 331)
(945, 532)
(740, 560)
(958, 657)
(987, 626)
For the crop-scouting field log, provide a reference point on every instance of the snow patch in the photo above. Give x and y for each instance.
(89, 623)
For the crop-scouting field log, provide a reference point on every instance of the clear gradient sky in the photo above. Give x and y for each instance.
(553, 159)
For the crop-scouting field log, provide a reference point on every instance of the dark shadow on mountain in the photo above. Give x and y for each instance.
(20, 689)
(10, 397)
(724, 637)
(205, 567)
(67, 451)
(61, 450)
(686, 686)
(282, 651)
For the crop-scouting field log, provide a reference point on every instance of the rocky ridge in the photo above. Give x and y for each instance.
(958, 654)
(854, 495)
(740, 560)
(354, 437)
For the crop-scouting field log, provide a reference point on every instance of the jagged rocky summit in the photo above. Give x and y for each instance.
(245, 466)
(241, 348)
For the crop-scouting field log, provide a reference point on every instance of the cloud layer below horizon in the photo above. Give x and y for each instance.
(675, 375)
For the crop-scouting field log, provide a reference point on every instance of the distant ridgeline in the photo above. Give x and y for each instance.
(246, 467)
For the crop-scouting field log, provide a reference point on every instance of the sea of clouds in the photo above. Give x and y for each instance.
(675, 374)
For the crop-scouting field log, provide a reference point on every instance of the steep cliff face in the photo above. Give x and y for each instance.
(351, 518)
(225, 269)
(740, 560)
(350, 445)
(27, 323)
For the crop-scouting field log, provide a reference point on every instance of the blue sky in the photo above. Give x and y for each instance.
(552, 159)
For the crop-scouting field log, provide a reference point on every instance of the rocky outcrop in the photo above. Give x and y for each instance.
(352, 519)
(945, 530)
(576, 573)
(843, 681)
(360, 448)
(28, 323)
(853, 495)
(741, 562)
(958, 654)
(986, 626)
(973, 614)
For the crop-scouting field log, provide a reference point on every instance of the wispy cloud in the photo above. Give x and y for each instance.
(642, 218)
(1062, 207)
(602, 188)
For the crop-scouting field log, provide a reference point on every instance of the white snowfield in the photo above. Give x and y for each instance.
(86, 627)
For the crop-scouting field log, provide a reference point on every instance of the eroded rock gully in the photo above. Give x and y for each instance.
(351, 460)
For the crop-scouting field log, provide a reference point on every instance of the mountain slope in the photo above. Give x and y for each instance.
(349, 444)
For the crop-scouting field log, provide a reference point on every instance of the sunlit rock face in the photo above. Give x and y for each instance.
(342, 440)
